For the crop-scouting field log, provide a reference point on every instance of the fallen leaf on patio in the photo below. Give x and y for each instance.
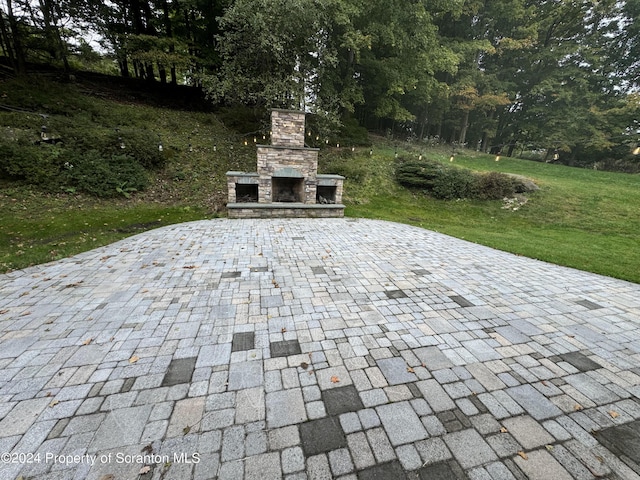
(503, 430)
(410, 370)
(334, 379)
(544, 383)
(424, 365)
(145, 469)
(134, 359)
(614, 414)
(48, 394)
(571, 336)
(48, 322)
(24, 293)
(25, 314)
(2, 312)
(148, 449)
(189, 267)
(186, 430)
(304, 365)
(284, 329)
(549, 447)
(523, 455)
(107, 477)
(87, 341)
(578, 407)
(54, 403)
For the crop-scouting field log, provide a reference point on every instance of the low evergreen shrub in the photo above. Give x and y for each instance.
(102, 176)
(495, 186)
(447, 183)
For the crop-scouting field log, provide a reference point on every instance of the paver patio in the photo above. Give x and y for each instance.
(312, 349)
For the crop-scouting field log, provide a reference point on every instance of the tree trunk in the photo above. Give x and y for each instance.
(163, 74)
(463, 127)
(15, 38)
(169, 29)
(7, 47)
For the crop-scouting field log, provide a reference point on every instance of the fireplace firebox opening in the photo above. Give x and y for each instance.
(246, 193)
(326, 194)
(288, 189)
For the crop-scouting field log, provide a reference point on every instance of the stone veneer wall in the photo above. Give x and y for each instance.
(270, 211)
(272, 159)
(287, 128)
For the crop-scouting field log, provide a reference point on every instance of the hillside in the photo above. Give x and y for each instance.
(581, 218)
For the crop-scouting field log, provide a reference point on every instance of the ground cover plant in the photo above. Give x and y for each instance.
(581, 218)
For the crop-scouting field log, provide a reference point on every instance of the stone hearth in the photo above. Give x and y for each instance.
(287, 183)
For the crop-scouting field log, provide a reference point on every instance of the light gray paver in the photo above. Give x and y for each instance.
(285, 407)
(121, 427)
(528, 432)
(540, 465)
(263, 467)
(22, 416)
(469, 448)
(401, 423)
(435, 395)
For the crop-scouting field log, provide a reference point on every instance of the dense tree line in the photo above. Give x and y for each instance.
(557, 76)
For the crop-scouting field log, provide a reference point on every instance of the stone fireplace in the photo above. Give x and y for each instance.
(287, 183)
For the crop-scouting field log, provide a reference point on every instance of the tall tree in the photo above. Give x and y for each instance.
(12, 36)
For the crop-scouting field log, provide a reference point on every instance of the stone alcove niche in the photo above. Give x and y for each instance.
(287, 183)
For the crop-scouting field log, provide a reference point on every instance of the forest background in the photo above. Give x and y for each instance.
(555, 80)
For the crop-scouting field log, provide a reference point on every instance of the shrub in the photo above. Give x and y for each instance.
(103, 176)
(495, 186)
(448, 183)
(418, 174)
(454, 183)
(32, 163)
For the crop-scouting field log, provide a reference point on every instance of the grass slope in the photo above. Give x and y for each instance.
(580, 218)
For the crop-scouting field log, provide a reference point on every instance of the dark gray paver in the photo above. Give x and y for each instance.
(180, 371)
(580, 361)
(285, 348)
(243, 341)
(439, 471)
(384, 471)
(342, 400)
(463, 302)
(623, 440)
(234, 274)
(395, 294)
(589, 304)
(321, 436)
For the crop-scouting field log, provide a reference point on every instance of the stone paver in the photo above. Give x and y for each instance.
(319, 348)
